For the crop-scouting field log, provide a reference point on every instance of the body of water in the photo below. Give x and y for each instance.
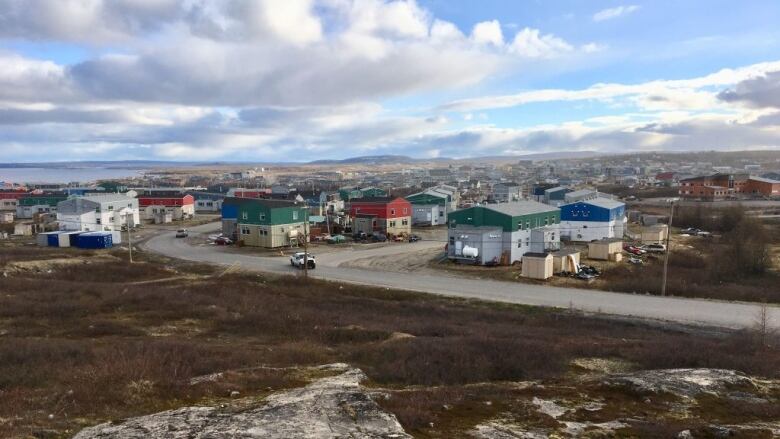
(63, 175)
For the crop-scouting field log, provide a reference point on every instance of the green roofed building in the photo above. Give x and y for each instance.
(265, 223)
(525, 227)
(28, 207)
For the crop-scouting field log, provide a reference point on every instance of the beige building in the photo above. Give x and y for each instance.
(537, 266)
(272, 236)
(603, 249)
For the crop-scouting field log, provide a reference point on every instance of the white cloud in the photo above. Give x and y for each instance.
(488, 32)
(531, 43)
(610, 13)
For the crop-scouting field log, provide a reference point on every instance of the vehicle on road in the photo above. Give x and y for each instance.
(414, 238)
(378, 237)
(399, 238)
(223, 240)
(654, 248)
(297, 260)
(634, 250)
(182, 233)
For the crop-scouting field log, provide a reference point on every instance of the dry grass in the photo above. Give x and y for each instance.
(87, 344)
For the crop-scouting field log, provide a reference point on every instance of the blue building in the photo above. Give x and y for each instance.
(593, 219)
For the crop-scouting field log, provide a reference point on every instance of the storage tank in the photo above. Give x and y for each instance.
(95, 240)
(470, 252)
(293, 234)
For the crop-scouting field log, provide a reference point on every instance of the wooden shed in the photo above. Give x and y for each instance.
(566, 261)
(601, 249)
(537, 266)
(655, 234)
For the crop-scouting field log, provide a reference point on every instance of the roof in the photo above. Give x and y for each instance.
(162, 196)
(603, 202)
(107, 198)
(523, 207)
(263, 201)
(377, 200)
(555, 189)
(765, 180)
(580, 192)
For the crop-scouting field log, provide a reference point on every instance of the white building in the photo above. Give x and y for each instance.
(593, 219)
(98, 212)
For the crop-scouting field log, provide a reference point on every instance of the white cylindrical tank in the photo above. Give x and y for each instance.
(470, 252)
(293, 233)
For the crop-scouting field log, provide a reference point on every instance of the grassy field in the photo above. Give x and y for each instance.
(97, 338)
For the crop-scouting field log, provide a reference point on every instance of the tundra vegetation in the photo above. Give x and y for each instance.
(86, 337)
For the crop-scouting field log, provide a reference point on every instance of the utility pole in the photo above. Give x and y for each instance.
(306, 244)
(130, 240)
(668, 249)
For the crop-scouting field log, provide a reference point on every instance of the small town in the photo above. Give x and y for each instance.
(389, 219)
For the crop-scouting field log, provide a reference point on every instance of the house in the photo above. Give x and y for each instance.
(32, 205)
(350, 193)
(593, 219)
(506, 192)
(6, 217)
(28, 228)
(264, 223)
(713, 187)
(428, 208)
(179, 206)
(605, 249)
(762, 186)
(525, 226)
(107, 212)
(9, 198)
(391, 215)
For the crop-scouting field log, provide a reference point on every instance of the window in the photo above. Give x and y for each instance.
(404, 222)
(441, 214)
(392, 223)
(392, 211)
(244, 230)
(262, 217)
(244, 215)
(405, 211)
(110, 207)
(295, 215)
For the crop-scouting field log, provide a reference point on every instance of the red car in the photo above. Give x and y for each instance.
(223, 240)
(634, 250)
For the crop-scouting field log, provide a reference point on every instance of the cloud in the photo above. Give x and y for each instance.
(760, 92)
(610, 13)
(488, 32)
(691, 93)
(531, 43)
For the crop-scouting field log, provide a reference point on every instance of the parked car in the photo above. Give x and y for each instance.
(223, 240)
(378, 237)
(337, 239)
(634, 250)
(634, 260)
(654, 248)
(399, 238)
(414, 238)
(359, 236)
(296, 260)
(182, 233)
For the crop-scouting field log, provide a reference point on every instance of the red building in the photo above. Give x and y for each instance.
(389, 215)
(722, 185)
(157, 207)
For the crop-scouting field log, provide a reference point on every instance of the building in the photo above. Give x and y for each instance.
(208, 205)
(391, 215)
(762, 186)
(156, 206)
(506, 192)
(107, 212)
(265, 223)
(428, 208)
(579, 195)
(593, 219)
(713, 187)
(32, 205)
(526, 226)
(9, 198)
(556, 196)
(6, 217)
(604, 249)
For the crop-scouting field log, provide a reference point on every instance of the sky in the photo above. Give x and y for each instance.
(300, 80)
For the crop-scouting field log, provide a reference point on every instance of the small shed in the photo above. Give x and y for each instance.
(566, 261)
(603, 248)
(655, 234)
(95, 240)
(537, 265)
(6, 217)
(650, 220)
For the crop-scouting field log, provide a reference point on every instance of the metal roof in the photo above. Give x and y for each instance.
(603, 202)
(523, 207)
(765, 180)
(106, 198)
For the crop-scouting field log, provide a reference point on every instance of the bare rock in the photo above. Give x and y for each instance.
(331, 407)
(681, 382)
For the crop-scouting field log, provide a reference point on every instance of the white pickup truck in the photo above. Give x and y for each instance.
(296, 260)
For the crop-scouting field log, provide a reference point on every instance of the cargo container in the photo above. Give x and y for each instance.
(43, 238)
(73, 238)
(95, 240)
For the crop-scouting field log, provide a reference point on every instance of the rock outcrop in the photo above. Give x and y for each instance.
(332, 407)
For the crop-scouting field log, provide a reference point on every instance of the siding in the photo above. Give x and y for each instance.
(482, 216)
